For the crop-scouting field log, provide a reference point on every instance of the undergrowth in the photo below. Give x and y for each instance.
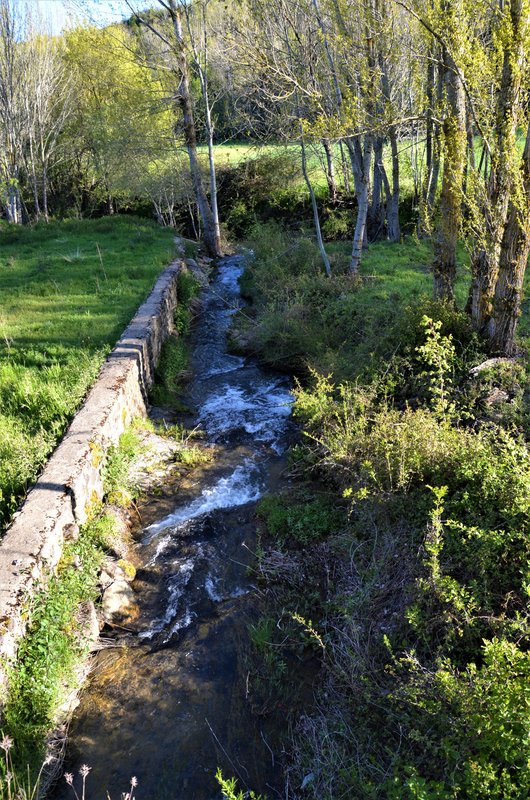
(49, 655)
(420, 597)
(173, 365)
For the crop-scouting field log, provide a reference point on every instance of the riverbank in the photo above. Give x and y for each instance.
(421, 610)
(56, 615)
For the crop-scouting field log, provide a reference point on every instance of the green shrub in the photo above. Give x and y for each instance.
(471, 724)
(300, 519)
(117, 484)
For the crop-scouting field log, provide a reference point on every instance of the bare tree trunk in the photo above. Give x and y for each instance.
(392, 214)
(184, 100)
(34, 183)
(361, 162)
(376, 215)
(45, 190)
(208, 122)
(314, 206)
(345, 170)
(433, 144)
(330, 171)
(13, 204)
(454, 129)
(515, 248)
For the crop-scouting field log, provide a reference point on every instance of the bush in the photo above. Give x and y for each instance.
(471, 725)
(299, 520)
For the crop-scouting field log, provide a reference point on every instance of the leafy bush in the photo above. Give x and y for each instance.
(299, 520)
(258, 188)
(472, 726)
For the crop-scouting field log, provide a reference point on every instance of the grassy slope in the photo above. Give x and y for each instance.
(67, 291)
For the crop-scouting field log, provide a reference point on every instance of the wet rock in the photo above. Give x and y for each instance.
(118, 600)
(122, 570)
(128, 569)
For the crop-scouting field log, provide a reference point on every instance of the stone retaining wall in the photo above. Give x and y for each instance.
(71, 480)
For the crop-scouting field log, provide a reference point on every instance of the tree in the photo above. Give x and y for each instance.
(13, 109)
(48, 99)
(511, 30)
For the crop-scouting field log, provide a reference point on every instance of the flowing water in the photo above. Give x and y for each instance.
(170, 705)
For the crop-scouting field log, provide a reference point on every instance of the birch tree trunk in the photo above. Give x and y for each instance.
(314, 206)
(330, 171)
(376, 215)
(184, 100)
(361, 162)
(208, 121)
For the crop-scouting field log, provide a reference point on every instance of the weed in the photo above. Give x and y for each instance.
(230, 791)
(171, 369)
(193, 455)
(48, 656)
(117, 484)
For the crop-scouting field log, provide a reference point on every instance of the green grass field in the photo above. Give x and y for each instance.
(67, 291)
(234, 153)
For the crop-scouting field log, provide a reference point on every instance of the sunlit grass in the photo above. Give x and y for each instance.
(67, 291)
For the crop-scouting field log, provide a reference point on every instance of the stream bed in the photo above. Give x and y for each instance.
(168, 705)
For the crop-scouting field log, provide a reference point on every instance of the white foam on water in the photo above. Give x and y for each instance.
(177, 586)
(229, 276)
(225, 365)
(240, 487)
(261, 410)
(210, 584)
(182, 623)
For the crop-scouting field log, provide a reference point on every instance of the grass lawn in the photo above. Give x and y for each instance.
(333, 326)
(67, 291)
(234, 153)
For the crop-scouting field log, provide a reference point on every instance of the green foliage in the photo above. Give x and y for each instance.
(458, 612)
(298, 519)
(303, 319)
(438, 353)
(338, 224)
(174, 358)
(187, 290)
(171, 368)
(117, 484)
(59, 316)
(478, 747)
(193, 455)
(257, 188)
(49, 654)
(230, 791)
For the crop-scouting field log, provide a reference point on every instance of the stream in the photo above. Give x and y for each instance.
(168, 705)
